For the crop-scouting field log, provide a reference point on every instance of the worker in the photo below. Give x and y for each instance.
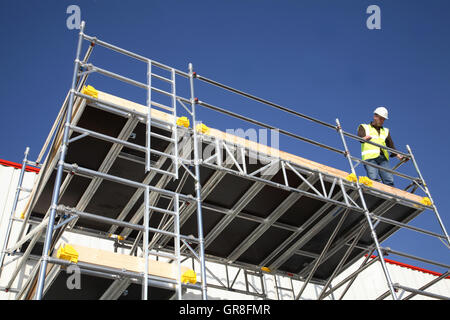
(375, 132)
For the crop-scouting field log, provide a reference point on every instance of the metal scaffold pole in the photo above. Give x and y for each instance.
(427, 191)
(13, 209)
(198, 187)
(145, 244)
(178, 245)
(367, 215)
(59, 173)
(149, 117)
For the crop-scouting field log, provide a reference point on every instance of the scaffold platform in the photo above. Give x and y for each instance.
(247, 220)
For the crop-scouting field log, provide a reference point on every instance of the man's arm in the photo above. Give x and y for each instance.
(362, 133)
(390, 144)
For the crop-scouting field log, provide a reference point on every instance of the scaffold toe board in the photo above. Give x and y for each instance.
(277, 212)
(98, 268)
(93, 285)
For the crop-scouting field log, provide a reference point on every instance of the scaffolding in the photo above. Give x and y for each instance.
(168, 144)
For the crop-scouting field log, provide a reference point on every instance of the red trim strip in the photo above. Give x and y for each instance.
(404, 265)
(18, 166)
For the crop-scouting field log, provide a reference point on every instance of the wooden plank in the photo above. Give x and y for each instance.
(259, 148)
(157, 114)
(126, 262)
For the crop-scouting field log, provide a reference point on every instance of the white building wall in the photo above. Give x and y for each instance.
(370, 284)
(9, 178)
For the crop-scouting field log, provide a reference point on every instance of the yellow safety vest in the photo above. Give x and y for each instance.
(369, 151)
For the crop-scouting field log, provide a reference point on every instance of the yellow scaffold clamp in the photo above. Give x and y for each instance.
(265, 269)
(90, 91)
(183, 122)
(67, 252)
(365, 181)
(189, 276)
(202, 128)
(351, 177)
(116, 236)
(426, 201)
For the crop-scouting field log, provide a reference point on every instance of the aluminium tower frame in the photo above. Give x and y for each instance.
(147, 188)
(82, 69)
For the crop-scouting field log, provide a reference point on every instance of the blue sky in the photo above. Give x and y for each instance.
(316, 57)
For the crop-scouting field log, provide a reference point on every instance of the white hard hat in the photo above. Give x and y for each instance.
(381, 111)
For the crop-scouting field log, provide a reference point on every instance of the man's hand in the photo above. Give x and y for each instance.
(400, 157)
(367, 138)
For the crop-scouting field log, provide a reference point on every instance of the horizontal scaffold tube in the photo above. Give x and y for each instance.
(120, 223)
(298, 114)
(384, 169)
(84, 171)
(238, 116)
(132, 55)
(223, 86)
(122, 273)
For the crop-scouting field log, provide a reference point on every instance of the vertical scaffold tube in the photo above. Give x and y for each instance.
(367, 214)
(59, 173)
(198, 188)
(145, 244)
(427, 191)
(177, 239)
(149, 117)
(13, 209)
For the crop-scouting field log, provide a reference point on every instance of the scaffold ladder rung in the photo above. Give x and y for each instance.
(173, 116)
(19, 189)
(161, 78)
(177, 241)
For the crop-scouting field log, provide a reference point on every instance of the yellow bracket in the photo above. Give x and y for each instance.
(189, 276)
(90, 91)
(116, 236)
(426, 201)
(67, 252)
(22, 215)
(366, 181)
(183, 122)
(202, 128)
(351, 177)
(266, 269)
